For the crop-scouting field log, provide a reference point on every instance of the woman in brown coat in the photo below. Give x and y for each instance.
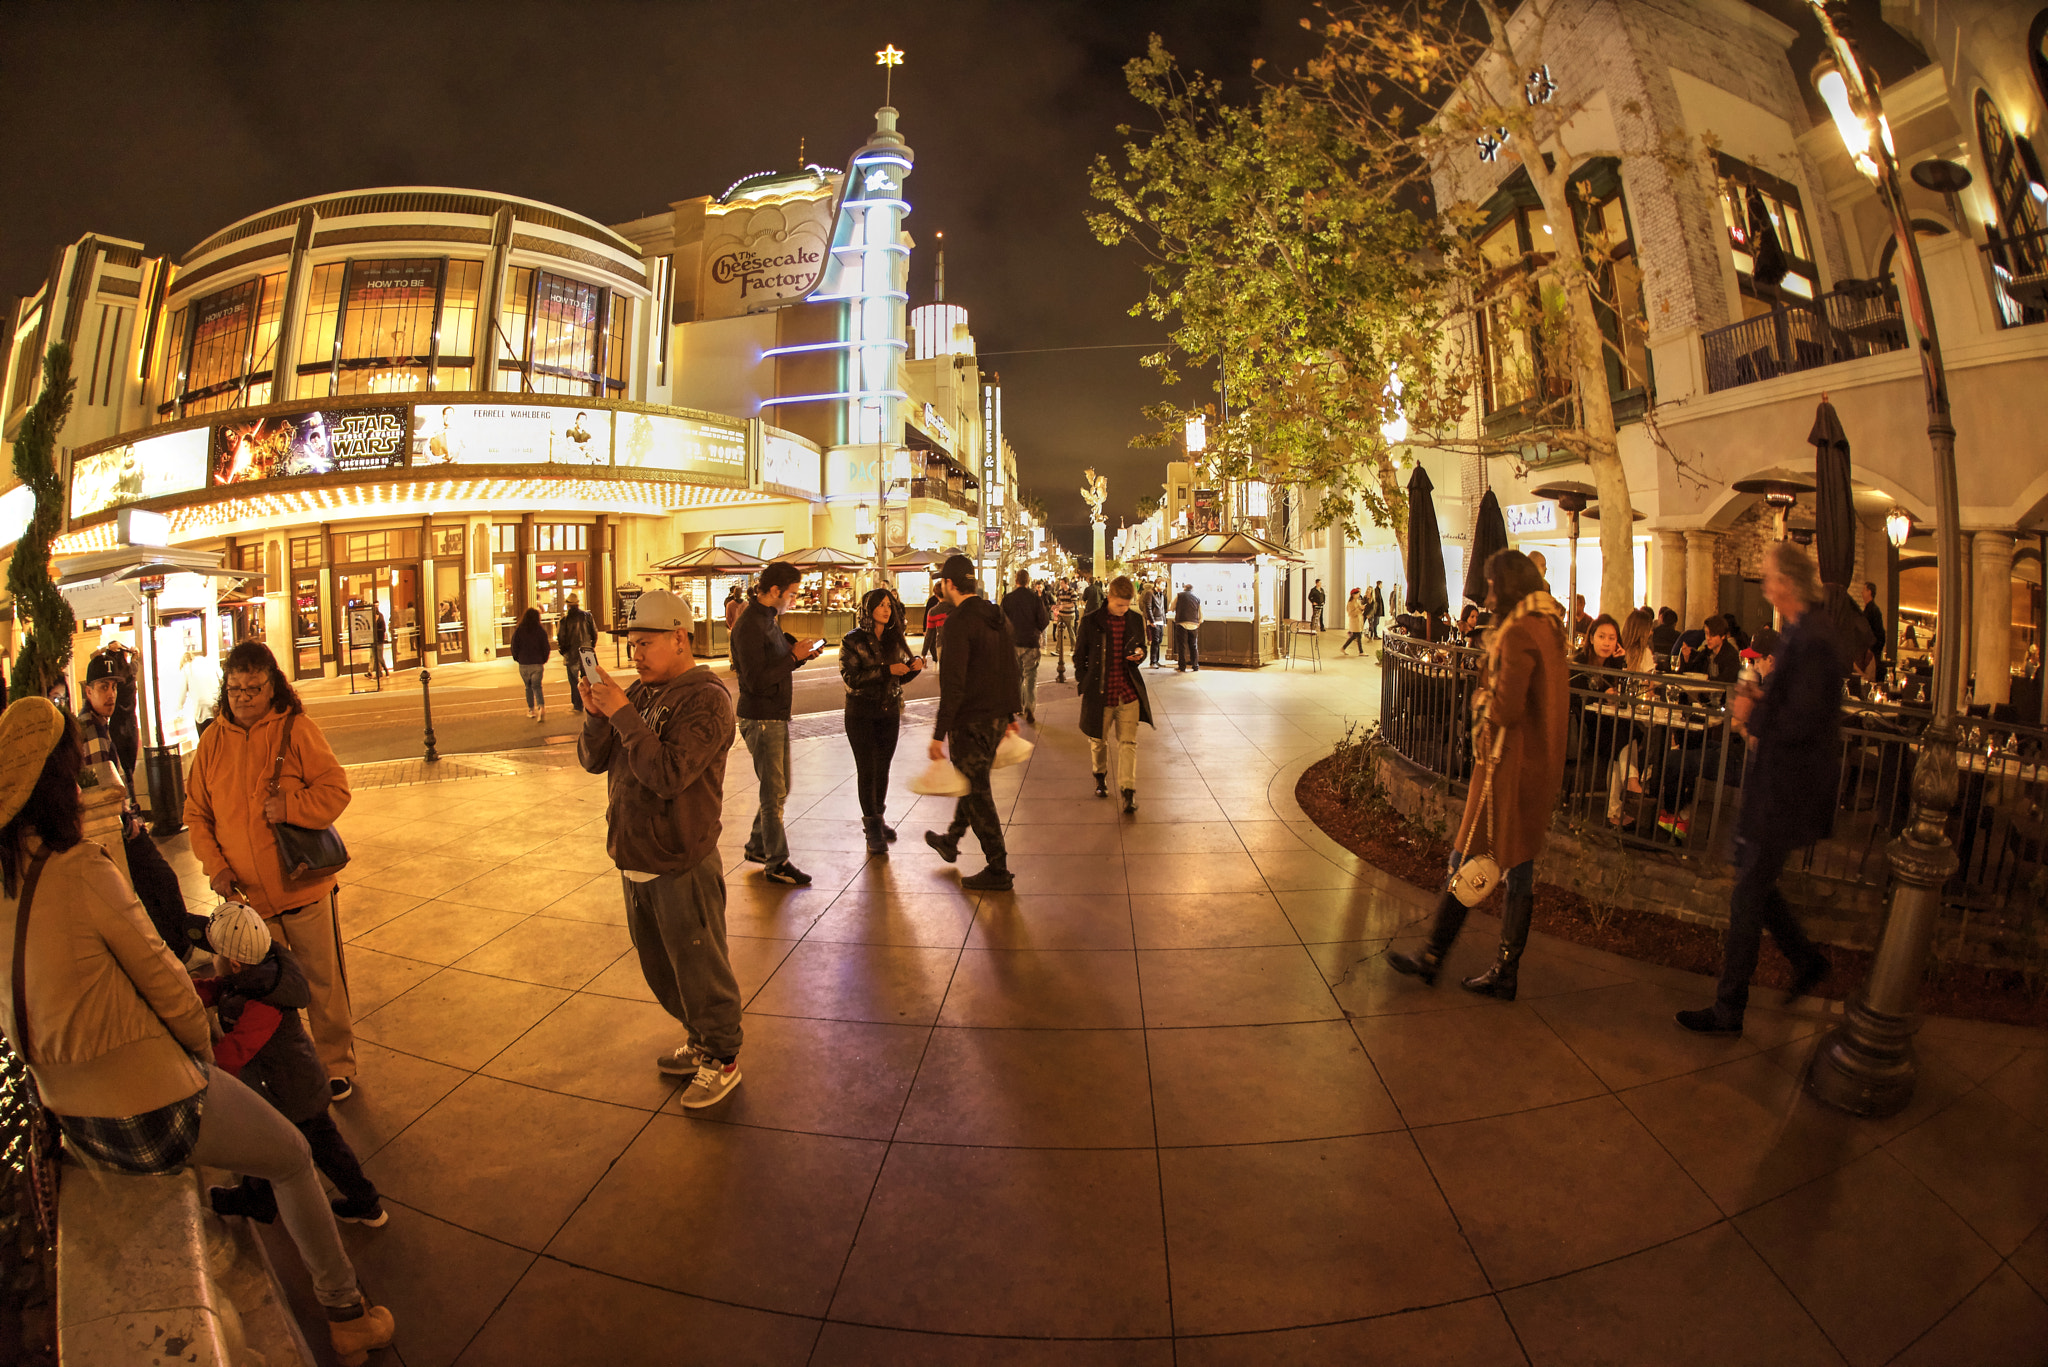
(1521, 710)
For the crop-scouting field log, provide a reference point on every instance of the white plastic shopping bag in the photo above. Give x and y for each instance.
(940, 779)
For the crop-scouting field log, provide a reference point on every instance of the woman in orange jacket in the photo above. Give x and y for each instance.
(230, 808)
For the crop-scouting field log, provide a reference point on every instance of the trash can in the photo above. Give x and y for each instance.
(165, 768)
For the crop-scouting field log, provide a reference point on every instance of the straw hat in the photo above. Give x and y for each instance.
(29, 730)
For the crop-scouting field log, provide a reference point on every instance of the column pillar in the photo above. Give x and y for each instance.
(1991, 617)
(1702, 584)
(1668, 586)
(1961, 633)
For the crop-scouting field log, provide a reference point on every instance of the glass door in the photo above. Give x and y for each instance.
(553, 583)
(450, 639)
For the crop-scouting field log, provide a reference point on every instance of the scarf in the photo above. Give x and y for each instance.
(1537, 604)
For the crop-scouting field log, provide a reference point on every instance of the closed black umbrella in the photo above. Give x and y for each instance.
(1490, 534)
(1427, 591)
(1835, 530)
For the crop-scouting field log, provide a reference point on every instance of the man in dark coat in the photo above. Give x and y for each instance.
(576, 631)
(1152, 604)
(1874, 615)
(1187, 630)
(1025, 609)
(977, 705)
(1794, 721)
(1316, 599)
(1110, 647)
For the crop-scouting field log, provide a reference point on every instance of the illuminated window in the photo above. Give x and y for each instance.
(305, 552)
(2020, 247)
(555, 329)
(618, 348)
(1619, 278)
(1744, 191)
(560, 536)
(504, 538)
(232, 350)
(1510, 254)
(359, 548)
(372, 327)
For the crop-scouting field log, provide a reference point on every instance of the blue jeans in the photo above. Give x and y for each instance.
(1027, 677)
(768, 743)
(531, 676)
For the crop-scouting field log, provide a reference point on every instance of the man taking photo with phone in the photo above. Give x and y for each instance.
(763, 658)
(661, 743)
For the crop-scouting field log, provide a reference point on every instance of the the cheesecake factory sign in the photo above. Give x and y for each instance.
(763, 257)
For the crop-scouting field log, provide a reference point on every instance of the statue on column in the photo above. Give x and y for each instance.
(1096, 493)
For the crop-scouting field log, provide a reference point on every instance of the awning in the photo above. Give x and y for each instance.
(825, 558)
(1220, 546)
(708, 561)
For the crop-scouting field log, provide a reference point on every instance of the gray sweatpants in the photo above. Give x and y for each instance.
(677, 922)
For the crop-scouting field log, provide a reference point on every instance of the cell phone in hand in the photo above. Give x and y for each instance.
(587, 659)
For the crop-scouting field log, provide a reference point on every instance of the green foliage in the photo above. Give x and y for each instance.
(46, 648)
(1147, 506)
(1273, 254)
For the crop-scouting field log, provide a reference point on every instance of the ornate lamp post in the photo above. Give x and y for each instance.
(1866, 1065)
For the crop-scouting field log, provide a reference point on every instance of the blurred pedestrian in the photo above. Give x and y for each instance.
(574, 634)
(1375, 608)
(661, 743)
(763, 658)
(1354, 622)
(1107, 652)
(530, 652)
(1519, 739)
(1152, 603)
(1027, 616)
(977, 705)
(735, 604)
(1794, 719)
(1187, 630)
(155, 883)
(1316, 599)
(112, 1031)
(264, 762)
(875, 661)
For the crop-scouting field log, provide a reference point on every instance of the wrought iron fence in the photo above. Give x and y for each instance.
(1841, 325)
(1652, 760)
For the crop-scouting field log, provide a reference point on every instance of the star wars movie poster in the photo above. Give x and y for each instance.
(316, 443)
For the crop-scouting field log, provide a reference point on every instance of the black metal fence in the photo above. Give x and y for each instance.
(1838, 326)
(1653, 760)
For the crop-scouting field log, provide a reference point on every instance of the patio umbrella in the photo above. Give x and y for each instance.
(825, 558)
(1489, 534)
(1427, 591)
(1835, 530)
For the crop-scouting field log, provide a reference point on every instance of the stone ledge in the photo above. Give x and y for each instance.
(147, 1274)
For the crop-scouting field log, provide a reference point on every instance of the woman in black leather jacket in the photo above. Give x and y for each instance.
(874, 662)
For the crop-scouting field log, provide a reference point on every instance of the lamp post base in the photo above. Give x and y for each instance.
(1866, 1067)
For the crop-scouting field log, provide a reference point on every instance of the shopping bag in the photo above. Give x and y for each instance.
(1014, 750)
(940, 779)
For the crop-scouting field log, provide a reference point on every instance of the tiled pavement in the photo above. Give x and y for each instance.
(1163, 1104)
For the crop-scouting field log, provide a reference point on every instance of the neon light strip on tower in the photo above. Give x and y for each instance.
(868, 270)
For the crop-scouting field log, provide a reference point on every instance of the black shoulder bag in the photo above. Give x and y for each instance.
(304, 852)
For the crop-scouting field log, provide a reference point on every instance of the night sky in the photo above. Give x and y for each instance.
(165, 122)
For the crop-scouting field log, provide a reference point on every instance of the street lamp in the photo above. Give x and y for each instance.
(1898, 526)
(1866, 1065)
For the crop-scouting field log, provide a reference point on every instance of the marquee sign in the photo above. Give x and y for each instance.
(760, 257)
(150, 468)
(316, 443)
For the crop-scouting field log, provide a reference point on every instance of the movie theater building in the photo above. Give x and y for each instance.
(451, 405)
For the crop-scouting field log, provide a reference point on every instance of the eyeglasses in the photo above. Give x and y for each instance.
(234, 692)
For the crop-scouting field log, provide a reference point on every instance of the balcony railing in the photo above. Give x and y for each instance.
(2019, 277)
(936, 490)
(1842, 325)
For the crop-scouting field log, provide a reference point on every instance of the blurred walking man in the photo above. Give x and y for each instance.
(1026, 613)
(977, 704)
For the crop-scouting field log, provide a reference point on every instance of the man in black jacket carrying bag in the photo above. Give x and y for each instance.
(1028, 619)
(977, 705)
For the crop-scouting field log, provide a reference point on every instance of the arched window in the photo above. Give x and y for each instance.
(2021, 249)
(2037, 52)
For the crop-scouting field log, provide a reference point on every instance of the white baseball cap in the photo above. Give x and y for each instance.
(235, 930)
(660, 610)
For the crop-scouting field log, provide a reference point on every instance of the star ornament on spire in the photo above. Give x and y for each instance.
(889, 58)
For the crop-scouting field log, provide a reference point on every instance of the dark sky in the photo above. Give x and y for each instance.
(164, 122)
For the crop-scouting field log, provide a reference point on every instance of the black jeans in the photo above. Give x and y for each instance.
(1156, 633)
(1756, 906)
(333, 1156)
(1186, 647)
(873, 738)
(973, 747)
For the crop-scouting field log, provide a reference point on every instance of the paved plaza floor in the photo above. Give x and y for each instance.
(1163, 1104)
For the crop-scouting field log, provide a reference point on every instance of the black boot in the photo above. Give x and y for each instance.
(253, 1199)
(1424, 964)
(1427, 962)
(877, 842)
(1102, 785)
(1498, 981)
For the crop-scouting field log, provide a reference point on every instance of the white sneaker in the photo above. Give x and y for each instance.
(710, 1086)
(682, 1063)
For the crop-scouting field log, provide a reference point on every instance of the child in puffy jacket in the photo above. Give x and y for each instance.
(265, 1044)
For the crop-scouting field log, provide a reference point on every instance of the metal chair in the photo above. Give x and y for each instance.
(1293, 632)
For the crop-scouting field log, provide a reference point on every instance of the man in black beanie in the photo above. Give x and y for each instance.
(977, 705)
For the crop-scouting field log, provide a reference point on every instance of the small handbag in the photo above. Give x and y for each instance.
(303, 852)
(1476, 878)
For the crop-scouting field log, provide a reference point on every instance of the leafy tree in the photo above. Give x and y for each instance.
(46, 649)
(1147, 506)
(1286, 236)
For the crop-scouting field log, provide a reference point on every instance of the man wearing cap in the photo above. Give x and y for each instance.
(977, 704)
(576, 632)
(764, 656)
(155, 883)
(661, 743)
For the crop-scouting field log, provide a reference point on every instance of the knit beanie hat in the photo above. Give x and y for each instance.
(29, 730)
(237, 932)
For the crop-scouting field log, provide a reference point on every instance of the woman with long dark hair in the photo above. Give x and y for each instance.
(874, 663)
(264, 761)
(112, 1031)
(1519, 741)
(530, 651)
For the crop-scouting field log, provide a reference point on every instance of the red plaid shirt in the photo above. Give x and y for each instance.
(1116, 688)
